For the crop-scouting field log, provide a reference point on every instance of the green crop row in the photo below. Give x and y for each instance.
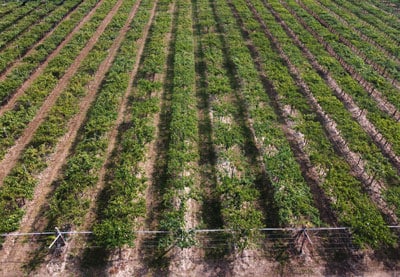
(29, 63)
(351, 206)
(19, 185)
(25, 41)
(291, 196)
(182, 153)
(236, 175)
(388, 19)
(13, 12)
(71, 199)
(26, 22)
(372, 55)
(366, 29)
(13, 122)
(371, 19)
(124, 200)
(384, 123)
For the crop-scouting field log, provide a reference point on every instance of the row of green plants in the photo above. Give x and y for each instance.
(75, 186)
(182, 156)
(371, 19)
(25, 23)
(16, 77)
(366, 29)
(12, 12)
(8, 8)
(290, 195)
(388, 6)
(351, 206)
(126, 181)
(19, 185)
(236, 171)
(13, 122)
(384, 122)
(353, 133)
(369, 74)
(25, 41)
(388, 19)
(367, 51)
(348, 84)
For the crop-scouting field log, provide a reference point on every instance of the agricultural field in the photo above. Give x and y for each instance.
(199, 137)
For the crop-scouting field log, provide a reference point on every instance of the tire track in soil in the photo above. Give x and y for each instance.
(11, 101)
(372, 186)
(383, 103)
(357, 114)
(14, 152)
(133, 262)
(381, 70)
(58, 158)
(33, 47)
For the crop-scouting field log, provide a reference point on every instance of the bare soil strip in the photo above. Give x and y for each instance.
(357, 51)
(11, 102)
(61, 153)
(32, 48)
(357, 114)
(372, 186)
(12, 155)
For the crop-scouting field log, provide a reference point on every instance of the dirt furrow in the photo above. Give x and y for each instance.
(12, 155)
(372, 186)
(380, 69)
(33, 47)
(359, 33)
(383, 104)
(63, 147)
(357, 114)
(27, 83)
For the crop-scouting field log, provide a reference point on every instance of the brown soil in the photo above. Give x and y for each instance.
(13, 154)
(58, 158)
(21, 90)
(32, 48)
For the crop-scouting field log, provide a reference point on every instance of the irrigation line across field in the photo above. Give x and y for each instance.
(193, 230)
